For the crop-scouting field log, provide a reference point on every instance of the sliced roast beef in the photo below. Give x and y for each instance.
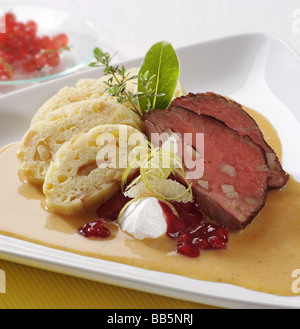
(233, 115)
(234, 186)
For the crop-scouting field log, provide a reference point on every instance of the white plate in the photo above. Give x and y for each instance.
(257, 70)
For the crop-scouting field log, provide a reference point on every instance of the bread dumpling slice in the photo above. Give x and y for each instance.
(44, 138)
(87, 170)
(91, 89)
(86, 89)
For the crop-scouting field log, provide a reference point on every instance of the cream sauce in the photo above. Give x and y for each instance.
(262, 257)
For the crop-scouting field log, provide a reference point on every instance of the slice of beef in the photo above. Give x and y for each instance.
(233, 115)
(233, 187)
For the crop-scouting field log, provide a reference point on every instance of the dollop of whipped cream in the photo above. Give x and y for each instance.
(144, 219)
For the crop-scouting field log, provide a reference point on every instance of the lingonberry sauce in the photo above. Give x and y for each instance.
(188, 215)
(95, 229)
(192, 232)
(109, 211)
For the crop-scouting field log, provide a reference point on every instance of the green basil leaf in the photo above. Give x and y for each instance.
(161, 60)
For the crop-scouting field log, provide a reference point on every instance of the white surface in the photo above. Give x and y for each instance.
(132, 26)
(252, 76)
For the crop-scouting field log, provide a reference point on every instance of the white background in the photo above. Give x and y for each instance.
(132, 26)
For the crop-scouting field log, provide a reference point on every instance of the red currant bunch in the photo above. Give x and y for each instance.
(20, 45)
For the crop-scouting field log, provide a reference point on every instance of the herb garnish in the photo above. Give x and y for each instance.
(156, 80)
(116, 84)
(162, 63)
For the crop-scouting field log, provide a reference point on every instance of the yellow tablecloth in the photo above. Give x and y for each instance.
(31, 288)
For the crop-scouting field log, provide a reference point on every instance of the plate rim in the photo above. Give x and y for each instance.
(85, 74)
(212, 293)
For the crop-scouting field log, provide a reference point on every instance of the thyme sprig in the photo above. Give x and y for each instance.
(119, 77)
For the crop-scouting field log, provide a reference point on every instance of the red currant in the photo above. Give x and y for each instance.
(10, 20)
(29, 65)
(31, 28)
(59, 41)
(43, 42)
(20, 46)
(40, 60)
(53, 58)
(6, 56)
